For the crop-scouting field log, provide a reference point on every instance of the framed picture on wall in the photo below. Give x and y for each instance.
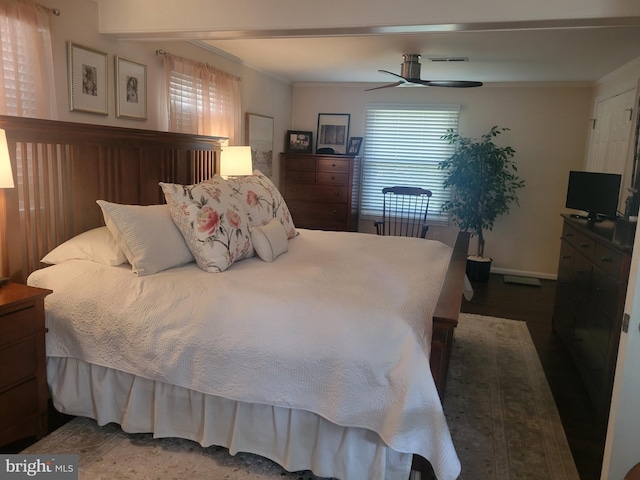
(88, 80)
(299, 141)
(259, 136)
(131, 89)
(333, 132)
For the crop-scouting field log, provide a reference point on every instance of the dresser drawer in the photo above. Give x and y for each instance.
(333, 165)
(607, 259)
(604, 292)
(17, 362)
(567, 255)
(328, 225)
(301, 210)
(316, 193)
(332, 178)
(301, 163)
(18, 324)
(301, 176)
(582, 243)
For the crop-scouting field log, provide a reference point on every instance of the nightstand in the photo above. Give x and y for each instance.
(23, 382)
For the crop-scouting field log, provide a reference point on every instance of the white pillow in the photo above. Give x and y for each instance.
(147, 236)
(270, 240)
(212, 221)
(97, 245)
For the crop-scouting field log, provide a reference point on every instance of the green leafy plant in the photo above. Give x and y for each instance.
(484, 182)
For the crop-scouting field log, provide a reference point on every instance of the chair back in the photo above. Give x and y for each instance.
(404, 212)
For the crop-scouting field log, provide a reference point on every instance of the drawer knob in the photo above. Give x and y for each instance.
(566, 257)
(333, 165)
(584, 245)
(337, 193)
(568, 234)
(333, 177)
(606, 260)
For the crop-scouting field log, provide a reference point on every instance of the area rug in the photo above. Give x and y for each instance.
(500, 410)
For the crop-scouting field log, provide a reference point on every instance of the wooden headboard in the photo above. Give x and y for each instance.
(60, 169)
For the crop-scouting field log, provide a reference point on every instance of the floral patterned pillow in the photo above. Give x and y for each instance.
(262, 201)
(212, 221)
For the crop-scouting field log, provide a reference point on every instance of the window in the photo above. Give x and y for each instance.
(403, 146)
(26, 61)
(202, 99)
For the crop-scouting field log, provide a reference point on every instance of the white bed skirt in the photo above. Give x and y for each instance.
(295, 439)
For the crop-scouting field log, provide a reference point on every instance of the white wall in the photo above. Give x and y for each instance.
(549, 128)
(78, 22)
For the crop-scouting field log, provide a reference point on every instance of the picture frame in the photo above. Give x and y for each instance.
(333, 132)
(299, 141)
(259, 136)
(354, 145)
(88, 79)
(131, 89)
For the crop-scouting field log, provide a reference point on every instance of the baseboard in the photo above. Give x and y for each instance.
(540, 275)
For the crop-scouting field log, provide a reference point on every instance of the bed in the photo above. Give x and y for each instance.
(298, 372)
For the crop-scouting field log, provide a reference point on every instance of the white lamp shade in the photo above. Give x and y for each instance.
(235, 161)
(6, 176)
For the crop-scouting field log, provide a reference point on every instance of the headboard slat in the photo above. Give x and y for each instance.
(62, 168)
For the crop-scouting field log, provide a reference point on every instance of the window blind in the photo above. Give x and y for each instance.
(403, 146)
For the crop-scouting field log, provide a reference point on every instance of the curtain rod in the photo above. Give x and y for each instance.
(164, 53)
(52, 11)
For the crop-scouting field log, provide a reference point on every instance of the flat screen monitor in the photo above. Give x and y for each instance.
(594, 193)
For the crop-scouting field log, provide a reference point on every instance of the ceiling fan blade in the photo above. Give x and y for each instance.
(449, 83)
(391, 73)
(396, 84)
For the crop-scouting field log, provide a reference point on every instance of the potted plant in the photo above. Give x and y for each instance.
(484, 182)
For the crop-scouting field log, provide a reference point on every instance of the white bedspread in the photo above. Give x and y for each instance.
(336, 326)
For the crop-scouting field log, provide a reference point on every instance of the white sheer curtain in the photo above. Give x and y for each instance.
(26, 60)
(202, 99)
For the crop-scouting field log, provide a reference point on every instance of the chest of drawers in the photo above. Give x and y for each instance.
(320, 190)
(593, 272)
(23, 382)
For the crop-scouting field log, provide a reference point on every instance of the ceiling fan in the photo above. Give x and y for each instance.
(410, 74)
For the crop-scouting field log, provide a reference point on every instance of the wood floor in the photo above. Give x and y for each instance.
(535, 306)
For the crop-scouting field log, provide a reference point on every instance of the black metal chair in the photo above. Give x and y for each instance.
(404, 212)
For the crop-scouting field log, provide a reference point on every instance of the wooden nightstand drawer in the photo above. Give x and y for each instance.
(17, 324)
(23, 376)
(23, 357)
(18, 404)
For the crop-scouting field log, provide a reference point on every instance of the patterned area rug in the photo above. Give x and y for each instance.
(498, 404)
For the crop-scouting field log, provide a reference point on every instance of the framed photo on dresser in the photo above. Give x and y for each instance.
(299, 141)
(333, 132)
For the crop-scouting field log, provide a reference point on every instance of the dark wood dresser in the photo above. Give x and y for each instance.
(23, 381)
(320, 190)
(591, 288)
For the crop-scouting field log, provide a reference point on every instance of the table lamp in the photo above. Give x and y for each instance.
(235, 161)
(6, 176)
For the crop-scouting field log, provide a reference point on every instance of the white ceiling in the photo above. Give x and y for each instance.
(518, 54)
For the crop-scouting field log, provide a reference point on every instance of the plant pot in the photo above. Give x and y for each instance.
(478, 268)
